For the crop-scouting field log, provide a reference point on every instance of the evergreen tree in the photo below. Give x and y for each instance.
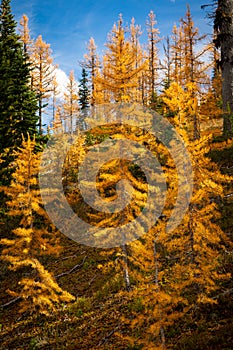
(84, 91)
(17, 102)
(166, 65)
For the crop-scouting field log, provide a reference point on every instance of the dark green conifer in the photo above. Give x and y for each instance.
(84, 93)
(18, 104)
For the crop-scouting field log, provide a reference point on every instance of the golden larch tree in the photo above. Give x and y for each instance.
(25, 35)
(34, 236)
(140, 56)
(70, 105)
(119, 73)
(91, 64)
(42, 74)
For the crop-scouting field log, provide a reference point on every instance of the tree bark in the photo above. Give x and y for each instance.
(224, 28)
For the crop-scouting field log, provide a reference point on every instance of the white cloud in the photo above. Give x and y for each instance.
(62, 80)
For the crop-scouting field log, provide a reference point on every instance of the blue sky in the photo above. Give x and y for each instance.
(68, 25)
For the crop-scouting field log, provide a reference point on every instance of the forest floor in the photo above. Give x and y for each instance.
(93, 321)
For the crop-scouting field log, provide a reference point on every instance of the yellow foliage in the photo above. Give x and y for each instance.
(121, 68)
(30, 241)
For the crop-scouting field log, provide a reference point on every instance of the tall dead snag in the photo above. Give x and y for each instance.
(223, 26)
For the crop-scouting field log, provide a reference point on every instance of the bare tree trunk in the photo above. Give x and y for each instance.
(40, 115)
(224, 27)
(126, 269)
(162, 333)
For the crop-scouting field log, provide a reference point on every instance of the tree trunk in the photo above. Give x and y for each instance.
(224, 27)
(126, 268)
(162, 333)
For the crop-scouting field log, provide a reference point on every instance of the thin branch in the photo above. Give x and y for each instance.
(70, 256)
(92, 279)
(105, 339)
(10, 302)
(228, 195)
(72, 270)
(227, 292)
